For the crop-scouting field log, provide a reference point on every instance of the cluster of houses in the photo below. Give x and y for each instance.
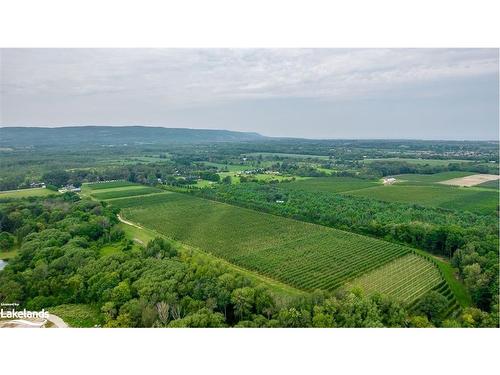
(257, 171)
(37, 185)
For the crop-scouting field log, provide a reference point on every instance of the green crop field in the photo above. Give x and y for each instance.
(114, 189)
(304, 255)
(35, 192)
(490, 185)
(432, 162)
(331, 184)
(406, 279)
(108, 185)
(121, 193)
(480, 201)
(291, 156)
(424, 179)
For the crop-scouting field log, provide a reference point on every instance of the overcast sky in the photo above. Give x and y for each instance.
(312, 93)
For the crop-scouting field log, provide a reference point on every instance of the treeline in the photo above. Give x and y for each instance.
(469, 240)
(60, 262)
(382, 168)
(147, 174)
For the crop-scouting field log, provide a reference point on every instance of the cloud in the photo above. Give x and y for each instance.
(177, 78)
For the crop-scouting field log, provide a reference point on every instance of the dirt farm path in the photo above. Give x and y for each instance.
(128, 222)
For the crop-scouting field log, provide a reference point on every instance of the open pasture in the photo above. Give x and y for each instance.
(124, 192)
(108, 185)
(23, 193)
(303, 255)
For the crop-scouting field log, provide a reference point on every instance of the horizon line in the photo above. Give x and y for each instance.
(247, 131)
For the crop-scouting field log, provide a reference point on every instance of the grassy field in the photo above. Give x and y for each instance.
(490, 185)
(117, 190)
(432, 162)
(456, 198)
(406, 279)
(108, 185)
(5, 255)
(120, 193)
(135, 160)
(331, 184)
(203, 183)
(306, 256)
(109, 250)
(23, 193)
(424, 179)
(285, 155)
(229, 167)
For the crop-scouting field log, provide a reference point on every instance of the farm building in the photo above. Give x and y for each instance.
(389, 180)
(69, 188)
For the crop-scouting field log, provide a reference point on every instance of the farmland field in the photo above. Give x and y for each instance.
(108, 185)
(490, 185)
(331, 184)
(22, 193)
(120, 193)
(292, 156)
(424, 179)
(406, 279)
(456, 198)
(306, 256)
(431, 162)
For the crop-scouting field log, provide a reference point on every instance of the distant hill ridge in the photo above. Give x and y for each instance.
(115, 135)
